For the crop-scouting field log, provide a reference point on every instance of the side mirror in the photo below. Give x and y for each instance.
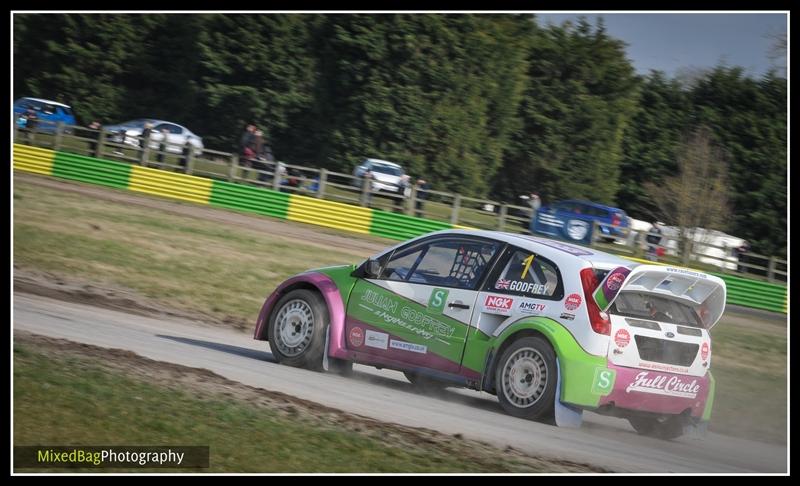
(372, 269)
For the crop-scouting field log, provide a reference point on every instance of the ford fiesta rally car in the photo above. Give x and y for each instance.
(551, 328)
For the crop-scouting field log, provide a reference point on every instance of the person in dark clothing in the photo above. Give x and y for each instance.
(95, 125)
(247, 139)
(422, 195)
(187, 149)
(654, 241)
(31, 122)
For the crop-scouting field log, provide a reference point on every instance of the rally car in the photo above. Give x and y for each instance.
(551, 328)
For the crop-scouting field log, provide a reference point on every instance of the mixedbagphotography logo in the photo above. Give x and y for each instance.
(111, 457)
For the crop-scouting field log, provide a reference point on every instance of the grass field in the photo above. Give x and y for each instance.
(63, 396)
(225, 271)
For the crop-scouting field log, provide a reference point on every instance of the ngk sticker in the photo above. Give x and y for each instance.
(622, 338)
(573, 302)
(356, 336)
(498, 304)
(704, 351)
(674, 386)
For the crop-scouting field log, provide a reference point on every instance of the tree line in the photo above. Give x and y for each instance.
(484, 105)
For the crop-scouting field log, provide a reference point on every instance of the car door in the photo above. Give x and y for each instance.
(416, 314)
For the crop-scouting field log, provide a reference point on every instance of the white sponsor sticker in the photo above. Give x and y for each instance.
(414, 348)
(378, 340)
(498, 304)
(664, 385)
(531, 308)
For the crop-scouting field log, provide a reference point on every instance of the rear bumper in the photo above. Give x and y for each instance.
(659, 392)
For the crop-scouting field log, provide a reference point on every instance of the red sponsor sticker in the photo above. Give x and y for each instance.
(573, 301)
(622, 338)
(356, 336)
(498, 303)
(704, 351)
(614, 281)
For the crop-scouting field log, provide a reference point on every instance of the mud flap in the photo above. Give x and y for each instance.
(325, 351)
(566, 415)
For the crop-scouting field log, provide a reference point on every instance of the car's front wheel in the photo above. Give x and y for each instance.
(525, 379)
(297, 329)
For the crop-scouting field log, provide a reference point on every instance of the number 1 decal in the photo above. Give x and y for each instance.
(527, 263)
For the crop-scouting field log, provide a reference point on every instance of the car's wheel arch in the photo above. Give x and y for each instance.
(315, 282)
(503, 342)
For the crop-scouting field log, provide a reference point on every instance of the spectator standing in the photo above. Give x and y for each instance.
(422, 195)
(402, 190)
(31, 122)
(94, 136)
(654, 241)
(187, 150)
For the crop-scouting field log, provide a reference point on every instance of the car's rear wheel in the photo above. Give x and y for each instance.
(666, 428)
(525, 379)
(297, 329)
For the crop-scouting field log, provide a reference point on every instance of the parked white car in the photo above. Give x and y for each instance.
(129, 133)
(386, 176)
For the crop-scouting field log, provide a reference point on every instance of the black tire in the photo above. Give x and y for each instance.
(661, 428)
(299, 338)
(425, 383)
(527, 361)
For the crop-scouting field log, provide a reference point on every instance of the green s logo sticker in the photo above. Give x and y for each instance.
(437, 300)
(603, 381)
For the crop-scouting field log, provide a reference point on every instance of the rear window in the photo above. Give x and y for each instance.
(654, 307)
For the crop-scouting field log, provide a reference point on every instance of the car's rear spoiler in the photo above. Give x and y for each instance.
(704, 293)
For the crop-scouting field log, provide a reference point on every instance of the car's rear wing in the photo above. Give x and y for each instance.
(704, 293)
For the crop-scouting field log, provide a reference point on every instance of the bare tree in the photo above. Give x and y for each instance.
(697, 196)
(778, 50)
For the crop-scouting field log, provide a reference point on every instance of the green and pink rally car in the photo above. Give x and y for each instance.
(552, 329)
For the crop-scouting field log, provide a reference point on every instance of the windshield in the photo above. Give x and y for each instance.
(134, 123)
(387, 169)
(655, 307)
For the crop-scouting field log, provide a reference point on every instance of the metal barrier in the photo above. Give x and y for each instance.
(79, 146)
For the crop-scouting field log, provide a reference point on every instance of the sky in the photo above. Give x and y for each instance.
(669, 42)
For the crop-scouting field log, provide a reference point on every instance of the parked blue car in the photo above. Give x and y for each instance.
(573, 220)
(48, 113)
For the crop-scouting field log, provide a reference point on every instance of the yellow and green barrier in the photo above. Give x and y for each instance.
(293, 207)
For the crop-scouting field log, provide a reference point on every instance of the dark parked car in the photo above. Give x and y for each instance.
(573, 220)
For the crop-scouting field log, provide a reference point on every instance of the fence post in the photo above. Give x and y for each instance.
(190, 161)
(771, 269)
(688, 247)
(276, 177)
(412, 201)
(145, 148)
(59, 135)
(233, 168)
(323, 179)
(501, 222)
(101, 140)
(456, 207)
(366, 187)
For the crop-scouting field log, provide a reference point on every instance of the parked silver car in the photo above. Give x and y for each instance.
(386, 176)
(177, 135)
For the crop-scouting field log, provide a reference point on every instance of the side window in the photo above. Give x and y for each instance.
(527, 274)
(458, 263)
(49, 109)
